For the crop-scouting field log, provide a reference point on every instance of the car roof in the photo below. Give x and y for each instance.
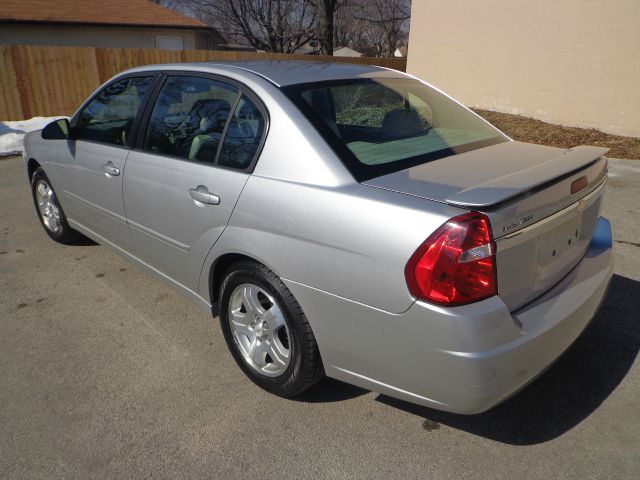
(282, 73)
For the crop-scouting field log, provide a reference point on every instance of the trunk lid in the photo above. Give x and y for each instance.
(542, 229)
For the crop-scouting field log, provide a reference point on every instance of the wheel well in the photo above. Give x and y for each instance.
(218, 270)
(32, 166)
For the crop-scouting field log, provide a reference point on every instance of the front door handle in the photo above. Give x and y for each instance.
(201, 195)
(110, 169)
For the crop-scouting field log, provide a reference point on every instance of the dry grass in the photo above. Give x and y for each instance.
(530, 130)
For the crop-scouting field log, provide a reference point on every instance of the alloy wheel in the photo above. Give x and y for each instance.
(259, 330)
(48, 207)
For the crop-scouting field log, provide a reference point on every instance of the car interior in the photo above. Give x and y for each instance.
(109, 117)
(382, 124)
(375, 128)
(192, 129)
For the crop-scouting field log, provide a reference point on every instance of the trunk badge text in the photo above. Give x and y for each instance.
(522, 221)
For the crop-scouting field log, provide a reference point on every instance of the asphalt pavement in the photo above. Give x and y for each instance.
(105, 372)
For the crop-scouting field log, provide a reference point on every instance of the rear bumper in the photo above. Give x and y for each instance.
(548, 326)
(464, 359)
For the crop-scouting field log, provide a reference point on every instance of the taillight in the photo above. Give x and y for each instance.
(456, 264)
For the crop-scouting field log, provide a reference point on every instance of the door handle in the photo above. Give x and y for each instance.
(201, 195)
(110, 169)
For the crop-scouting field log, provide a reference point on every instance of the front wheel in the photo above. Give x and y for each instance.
(267, 332)
(49, 210)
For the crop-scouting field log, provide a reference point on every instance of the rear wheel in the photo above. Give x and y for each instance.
(49, 210)
(267, 332)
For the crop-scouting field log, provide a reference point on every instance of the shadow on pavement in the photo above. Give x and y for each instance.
(570, 390)
(330, 390)
(83, 241)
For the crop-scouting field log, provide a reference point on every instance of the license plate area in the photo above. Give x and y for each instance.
(560, 248)
(533, 259)
(561, 240)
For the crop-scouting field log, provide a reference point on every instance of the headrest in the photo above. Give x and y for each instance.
(207, 122)
(239, 130)
(205, 112)
(402, 123)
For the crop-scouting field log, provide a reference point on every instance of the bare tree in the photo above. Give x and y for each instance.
(373, 27)
(329, 24)
(271, 25)
(385, 23)
(347, 30)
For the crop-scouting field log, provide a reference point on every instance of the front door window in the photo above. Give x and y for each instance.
(108, 118)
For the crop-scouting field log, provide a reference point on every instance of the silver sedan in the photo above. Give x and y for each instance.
(341, 220)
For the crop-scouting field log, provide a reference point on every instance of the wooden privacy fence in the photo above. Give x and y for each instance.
(46, 81)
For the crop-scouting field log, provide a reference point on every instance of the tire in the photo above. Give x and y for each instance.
(49, 211)
(279, 326)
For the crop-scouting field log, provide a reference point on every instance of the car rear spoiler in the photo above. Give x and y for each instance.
(507, 187)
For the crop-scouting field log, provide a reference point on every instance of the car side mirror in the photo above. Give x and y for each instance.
(57, 130)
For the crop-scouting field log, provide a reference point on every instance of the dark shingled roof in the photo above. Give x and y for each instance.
(95, 12)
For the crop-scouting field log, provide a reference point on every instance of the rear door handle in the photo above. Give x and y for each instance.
(201, 195)
(110, 169)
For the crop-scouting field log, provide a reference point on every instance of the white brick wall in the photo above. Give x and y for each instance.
(572, 62)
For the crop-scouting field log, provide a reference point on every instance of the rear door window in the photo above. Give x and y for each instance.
(243, 136)
(189, 118)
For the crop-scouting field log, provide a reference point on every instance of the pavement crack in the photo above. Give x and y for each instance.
(635, 244)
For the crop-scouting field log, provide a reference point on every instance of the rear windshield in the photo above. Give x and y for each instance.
(383, 125)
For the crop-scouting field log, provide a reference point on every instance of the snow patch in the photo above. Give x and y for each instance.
(12, 133)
